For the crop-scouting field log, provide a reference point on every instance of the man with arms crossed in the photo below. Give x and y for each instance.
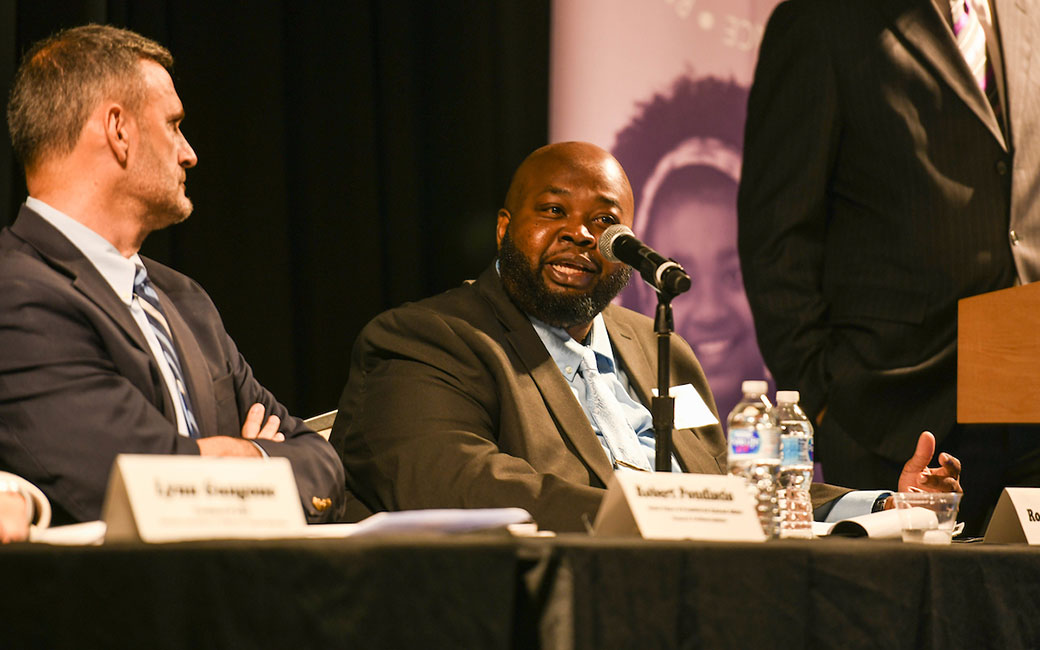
(106, 352)
(478, 398)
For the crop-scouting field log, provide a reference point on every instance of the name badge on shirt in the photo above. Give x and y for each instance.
(690, 410)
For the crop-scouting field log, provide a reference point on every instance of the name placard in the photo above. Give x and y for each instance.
(678, 506)
(1016, 519)
(154, 498)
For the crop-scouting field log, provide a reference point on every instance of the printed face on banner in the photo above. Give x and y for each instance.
(675, 121)
(685, 175)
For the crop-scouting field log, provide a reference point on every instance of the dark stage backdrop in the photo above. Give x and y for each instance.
(352, 156)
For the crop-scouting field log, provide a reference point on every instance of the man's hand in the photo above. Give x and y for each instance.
(227, 446)
(251, 430)
(254, 418)
(918, 477)
(13, 525)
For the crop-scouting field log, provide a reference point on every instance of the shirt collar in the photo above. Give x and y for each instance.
(117, 270)
(567, 352)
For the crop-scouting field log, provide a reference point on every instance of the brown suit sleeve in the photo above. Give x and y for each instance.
(419, 425)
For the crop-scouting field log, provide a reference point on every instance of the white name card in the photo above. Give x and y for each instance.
(663, 505)
(1016, 518)
(690, 410)
(154, 498)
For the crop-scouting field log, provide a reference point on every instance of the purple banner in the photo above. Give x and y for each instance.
(663, 84)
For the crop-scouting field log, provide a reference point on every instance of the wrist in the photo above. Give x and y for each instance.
(882, 503)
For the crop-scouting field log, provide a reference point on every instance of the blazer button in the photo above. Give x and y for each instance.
(1002, 168)
(1014, 237)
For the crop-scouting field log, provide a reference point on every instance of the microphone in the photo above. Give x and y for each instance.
(619, 244)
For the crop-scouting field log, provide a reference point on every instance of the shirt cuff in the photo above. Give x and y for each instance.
(854, 504)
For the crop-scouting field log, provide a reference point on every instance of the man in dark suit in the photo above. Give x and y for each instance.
(887, 174)
(104, 351)
(477, 397)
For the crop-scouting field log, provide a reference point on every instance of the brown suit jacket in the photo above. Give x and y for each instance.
(454, 402)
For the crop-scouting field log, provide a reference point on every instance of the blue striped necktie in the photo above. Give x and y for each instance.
(149, 301)
(606, 413)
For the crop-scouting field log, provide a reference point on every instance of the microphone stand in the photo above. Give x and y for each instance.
(663, 404)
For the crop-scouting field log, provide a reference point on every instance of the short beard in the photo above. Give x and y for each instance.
(526, 287)
(163, 215)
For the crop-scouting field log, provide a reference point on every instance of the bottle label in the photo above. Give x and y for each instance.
(744, 442)
(791, 451)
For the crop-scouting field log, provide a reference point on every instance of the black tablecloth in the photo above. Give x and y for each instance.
(497, 592)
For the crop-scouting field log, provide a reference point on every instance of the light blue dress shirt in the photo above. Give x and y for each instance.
(566, 352)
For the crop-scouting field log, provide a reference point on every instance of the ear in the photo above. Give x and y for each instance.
(503, 223)
(117, 132)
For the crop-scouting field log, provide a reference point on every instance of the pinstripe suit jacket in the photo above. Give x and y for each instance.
(878, 189)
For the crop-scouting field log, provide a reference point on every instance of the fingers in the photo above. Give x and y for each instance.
(945, 478)
(254, 418)
(918, 477)
(951, 464)
(938, 480)
(270, 430)
(253, 430)
(923, 454)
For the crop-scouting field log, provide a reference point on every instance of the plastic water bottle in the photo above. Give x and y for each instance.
(796, 466)
(754, 451)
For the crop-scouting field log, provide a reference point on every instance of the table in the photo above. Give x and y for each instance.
(494, 591)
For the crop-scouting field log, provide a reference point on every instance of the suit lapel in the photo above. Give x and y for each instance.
(642, 375)
(63, 255)
(923, 27)
(193, 362)
(1017, 29)
(553, 388)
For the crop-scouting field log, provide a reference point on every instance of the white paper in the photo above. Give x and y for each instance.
(690, 410)
(877, 525)
(425, 521)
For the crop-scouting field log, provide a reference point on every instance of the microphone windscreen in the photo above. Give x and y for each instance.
(606, 240)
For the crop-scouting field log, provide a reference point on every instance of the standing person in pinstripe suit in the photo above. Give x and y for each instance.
(890, 169)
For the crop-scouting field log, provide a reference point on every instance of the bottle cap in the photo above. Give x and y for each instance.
(754, 386)
(787, 397)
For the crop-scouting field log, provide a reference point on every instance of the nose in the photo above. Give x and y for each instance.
(187, 158)
(577, 232)
(710, 306)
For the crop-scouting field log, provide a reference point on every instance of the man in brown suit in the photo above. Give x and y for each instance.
(456, 401)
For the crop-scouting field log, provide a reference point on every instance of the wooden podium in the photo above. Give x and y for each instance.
(998, 356)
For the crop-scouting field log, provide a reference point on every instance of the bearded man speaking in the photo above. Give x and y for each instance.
(527, 388)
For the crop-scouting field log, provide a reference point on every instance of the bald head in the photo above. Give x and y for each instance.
(581, 157)
(561, 200)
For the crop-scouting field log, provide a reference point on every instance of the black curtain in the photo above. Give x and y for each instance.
(352, 156)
